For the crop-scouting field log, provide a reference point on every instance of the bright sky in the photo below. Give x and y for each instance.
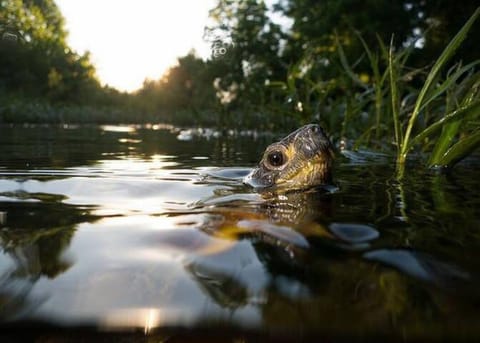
(131, 40)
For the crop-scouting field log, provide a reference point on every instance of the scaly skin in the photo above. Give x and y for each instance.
(301, 160)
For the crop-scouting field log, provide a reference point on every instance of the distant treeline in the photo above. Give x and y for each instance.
(312, 63)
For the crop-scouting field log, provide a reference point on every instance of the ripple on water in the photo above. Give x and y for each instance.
(91, 232)
(236, 174)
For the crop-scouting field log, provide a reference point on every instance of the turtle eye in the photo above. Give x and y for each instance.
(276, 158)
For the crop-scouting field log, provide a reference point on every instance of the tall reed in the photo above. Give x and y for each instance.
(447, 151)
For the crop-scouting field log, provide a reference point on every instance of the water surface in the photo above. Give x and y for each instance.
(150, 227)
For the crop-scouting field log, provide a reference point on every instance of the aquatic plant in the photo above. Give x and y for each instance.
(460, 106)
(440, 117)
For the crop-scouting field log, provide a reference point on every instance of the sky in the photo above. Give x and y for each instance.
(130, 40)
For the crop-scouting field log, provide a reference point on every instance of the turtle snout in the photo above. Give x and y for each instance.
(259, 178)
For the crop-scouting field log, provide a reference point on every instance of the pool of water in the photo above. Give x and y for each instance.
(148, 228)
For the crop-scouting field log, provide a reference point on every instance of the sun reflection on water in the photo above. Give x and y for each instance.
(118, 128)
(146, 318)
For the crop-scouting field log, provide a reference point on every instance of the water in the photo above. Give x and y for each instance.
(120, 228)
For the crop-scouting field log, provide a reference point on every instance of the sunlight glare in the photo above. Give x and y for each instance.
(133, 40)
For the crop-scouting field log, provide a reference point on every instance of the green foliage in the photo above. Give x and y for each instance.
(389, 90)
(38, 67)
(329, 63)
(314, 24)
(40, 63)
(249, 63)
(428, 93)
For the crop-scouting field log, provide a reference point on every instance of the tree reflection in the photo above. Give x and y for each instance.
(56, 148)
(33, 238)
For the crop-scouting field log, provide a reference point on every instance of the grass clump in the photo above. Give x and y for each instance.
(461, 105)
(440, 118)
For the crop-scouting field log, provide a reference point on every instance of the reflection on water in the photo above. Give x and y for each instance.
(124, 227)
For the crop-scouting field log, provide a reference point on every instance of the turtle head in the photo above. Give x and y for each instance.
(303, 159)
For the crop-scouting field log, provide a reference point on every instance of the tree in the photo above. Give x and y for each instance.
(434, 23)
(186, 88)
(39, 63)
(254, 57)
(438, 22)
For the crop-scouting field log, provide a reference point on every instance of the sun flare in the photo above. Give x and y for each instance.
(133, 40)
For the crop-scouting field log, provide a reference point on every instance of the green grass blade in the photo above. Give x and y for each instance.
(450, 129)
(460, 150)
(449, 132)
(448, 83)
(378, 83)
(346, 65)
(383, 48)
(432, 76)
(472, 109)
(472, 83)
(392, 69)
(373, 59)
